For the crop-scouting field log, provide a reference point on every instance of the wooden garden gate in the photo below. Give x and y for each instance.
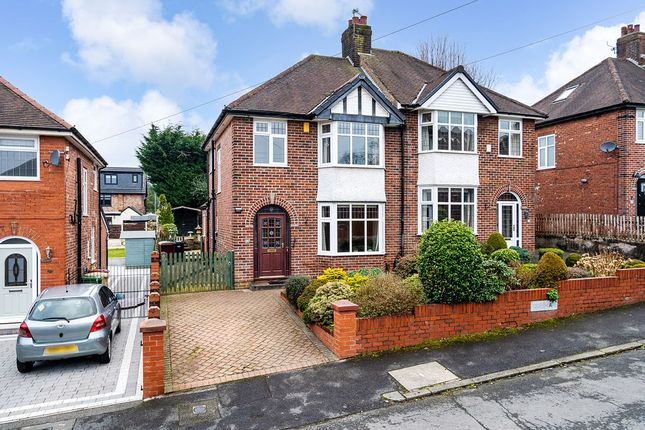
(196, 271)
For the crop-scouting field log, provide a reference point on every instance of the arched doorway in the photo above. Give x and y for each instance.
(509, 218)
(18, 277)
(272, 254)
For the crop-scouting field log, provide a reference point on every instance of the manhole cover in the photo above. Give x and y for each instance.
(197, 413)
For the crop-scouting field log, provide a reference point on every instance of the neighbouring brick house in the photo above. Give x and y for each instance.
(51, 228)
(345, 161)
(123, 195)
(604, 105)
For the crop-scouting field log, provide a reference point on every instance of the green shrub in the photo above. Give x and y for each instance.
(407, 266)
(308, 293)
(319, 309)
(577, 273)
(525, 255)
(549, 271)
(496, 241)
(552, 295)
(371, 272)
(414, 283)
(169, 231)
(450, 263)
(332, 274)
(294, 287)
(387, 295)
(633, 263)
(603, 264)
(356, 280)
(526, 275)
(556, 251)
(498, 278)
(572, 259)
(506, 256)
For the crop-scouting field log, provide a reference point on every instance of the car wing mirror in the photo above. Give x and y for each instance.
(120, 296)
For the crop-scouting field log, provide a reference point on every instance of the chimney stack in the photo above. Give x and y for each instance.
(357, 39)
(631, 44)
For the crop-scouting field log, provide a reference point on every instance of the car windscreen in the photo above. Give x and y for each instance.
(65, 308)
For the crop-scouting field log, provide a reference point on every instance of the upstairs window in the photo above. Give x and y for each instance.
(111, 179)
(135, 179)
(546, 152)
(640, 126)
(84, 190)
(96, 179)
(351, 144)
(219, 170)
(510, 138)
(447, 131)
(270, 143)
(325, 144)
(18, 158)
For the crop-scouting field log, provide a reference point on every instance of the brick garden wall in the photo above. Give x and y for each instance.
(610, 187)
(353, 336)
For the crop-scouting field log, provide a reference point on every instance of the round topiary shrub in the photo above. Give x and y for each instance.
(319, 309)
(294, 287)
(387, 295)
(525, 255)
(556, 251)
(550, 270)
(572, 259)
(450, 263)
(496, 241)
(308, 293)
(506, 256)
(407, 266)
(498, 278)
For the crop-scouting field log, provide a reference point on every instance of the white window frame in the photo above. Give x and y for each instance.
(435, 203)
(271, 136)
(219, 170)
(333, 135)
(135, 178)
(111, 175)
(545, 138)
(84, 190)
(93, 245)
(96, 179)
(36, 149)
(640, 121)
(333, 231)
(435, 131)
(510, 132)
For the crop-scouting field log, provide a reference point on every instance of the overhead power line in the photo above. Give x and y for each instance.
(447, 11)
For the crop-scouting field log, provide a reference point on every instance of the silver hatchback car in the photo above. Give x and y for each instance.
(69, 321)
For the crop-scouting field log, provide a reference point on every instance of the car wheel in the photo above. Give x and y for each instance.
(107, 355)
(24, 367)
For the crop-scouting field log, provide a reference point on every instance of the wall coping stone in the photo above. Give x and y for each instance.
(152, 325)
(344, 306)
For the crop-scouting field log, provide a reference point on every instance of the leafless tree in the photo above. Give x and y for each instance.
(444, 53)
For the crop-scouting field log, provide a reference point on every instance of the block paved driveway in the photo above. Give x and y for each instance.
(66, 385)
(221, 336)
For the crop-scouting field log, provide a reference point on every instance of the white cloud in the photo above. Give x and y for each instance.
(102, 117)
(325, 14)
(125, 39)
(570, 60)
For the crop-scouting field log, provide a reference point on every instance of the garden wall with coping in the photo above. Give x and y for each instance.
(353, 336)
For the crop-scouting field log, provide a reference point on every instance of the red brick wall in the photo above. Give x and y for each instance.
(40, 210)
(511, 309)
(610, 187)
(294, 188)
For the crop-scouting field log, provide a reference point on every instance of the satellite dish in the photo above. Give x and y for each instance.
(54, 157)
(608, 146)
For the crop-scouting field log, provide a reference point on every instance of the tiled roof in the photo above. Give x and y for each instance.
(610, 83)
(401, 78)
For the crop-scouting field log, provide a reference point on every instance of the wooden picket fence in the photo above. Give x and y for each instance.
(192, 272)
(592, 226)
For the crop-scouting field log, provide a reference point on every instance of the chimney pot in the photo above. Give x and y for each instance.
(356, 39)
(631, 44)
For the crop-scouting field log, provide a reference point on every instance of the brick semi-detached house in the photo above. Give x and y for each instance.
(51, 228)
(346, 161)
(592, 145)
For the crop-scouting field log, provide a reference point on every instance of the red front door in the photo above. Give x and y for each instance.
(272, 251)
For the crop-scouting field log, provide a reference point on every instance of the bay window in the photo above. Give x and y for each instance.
(351, 228)
(270, 143)
(510, 138)
(447, 131)
(447, 203)
(19, 158)
(351, 144)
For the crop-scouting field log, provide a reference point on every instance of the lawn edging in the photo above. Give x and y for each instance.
(354, 336)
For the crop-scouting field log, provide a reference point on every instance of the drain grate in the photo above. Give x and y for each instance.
(204, 411)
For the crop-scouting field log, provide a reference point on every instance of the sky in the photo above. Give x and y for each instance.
(109, 67)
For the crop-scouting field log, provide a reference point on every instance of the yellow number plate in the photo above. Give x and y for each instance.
(63, 349)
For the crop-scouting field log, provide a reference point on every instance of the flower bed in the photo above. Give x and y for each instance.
(353, 336)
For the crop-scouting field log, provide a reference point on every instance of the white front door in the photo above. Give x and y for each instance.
(508, 220)
(18, 283)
